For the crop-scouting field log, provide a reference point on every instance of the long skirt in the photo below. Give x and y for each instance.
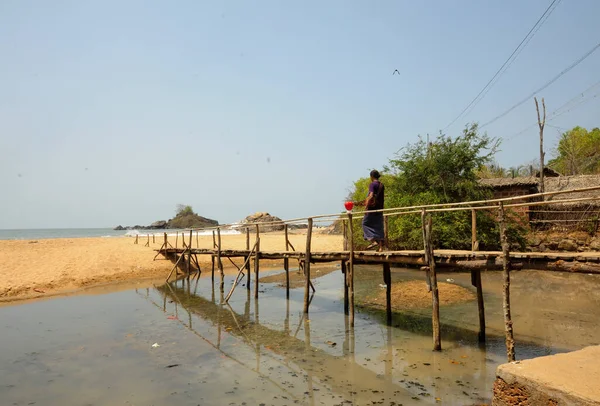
(373, 226)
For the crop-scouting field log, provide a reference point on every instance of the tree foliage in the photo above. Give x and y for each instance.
(183, 210)
(445, 171)
(577, 152)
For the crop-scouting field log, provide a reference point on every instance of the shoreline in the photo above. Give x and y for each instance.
(34, 269)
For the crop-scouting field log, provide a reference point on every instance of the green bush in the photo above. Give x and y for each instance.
(444, 171)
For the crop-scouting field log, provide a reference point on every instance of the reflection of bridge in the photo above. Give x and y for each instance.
(282, 347)
(428, 259)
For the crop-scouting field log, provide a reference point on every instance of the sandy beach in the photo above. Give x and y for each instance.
(37, 268)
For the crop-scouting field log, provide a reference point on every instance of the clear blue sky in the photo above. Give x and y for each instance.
(112, 112)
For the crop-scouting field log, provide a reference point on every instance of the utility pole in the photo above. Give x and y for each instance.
(541, 123)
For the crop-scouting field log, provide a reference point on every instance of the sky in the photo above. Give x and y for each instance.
(113, 112)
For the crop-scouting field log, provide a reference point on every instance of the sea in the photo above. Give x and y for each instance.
(45, 233)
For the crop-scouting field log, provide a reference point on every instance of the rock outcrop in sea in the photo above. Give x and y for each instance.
(182, 220)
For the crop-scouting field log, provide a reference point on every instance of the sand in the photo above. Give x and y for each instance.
(414, 295)
(36, 268)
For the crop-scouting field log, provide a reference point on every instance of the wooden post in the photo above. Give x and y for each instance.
(541, 124)
(473, 230)
(387, 279)
(256, 263)
(136, 239)
(508, 325)
(345, 273)
(386, 240)
(219, 262)
(345, 232)
(435, 299)
(189, 261)
(350, 270)
(426, 252)
(307, 265)
(176, 239)
(153, 239)
(197, 240)
(286, 263)
(212, 259)
(476, 281)
(248, 273)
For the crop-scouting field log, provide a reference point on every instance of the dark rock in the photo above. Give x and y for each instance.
(567, 245)
(191, 220)
(262, 217)
(119, 228)
(160, 224)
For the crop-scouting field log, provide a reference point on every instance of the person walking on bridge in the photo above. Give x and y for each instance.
(373, 221)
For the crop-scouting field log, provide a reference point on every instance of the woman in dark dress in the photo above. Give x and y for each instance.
(373, 221)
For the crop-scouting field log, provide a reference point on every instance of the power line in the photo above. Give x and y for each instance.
(551, 81)
(516, 55)
(510, 59)
(554, 114)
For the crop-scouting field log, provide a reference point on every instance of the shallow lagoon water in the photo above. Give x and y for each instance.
(97, 350)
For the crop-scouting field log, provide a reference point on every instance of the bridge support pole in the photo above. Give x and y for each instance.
(286, 263)
(435, 299)
(307, 265)
(248, 273)
(350, 271)
(508, 324)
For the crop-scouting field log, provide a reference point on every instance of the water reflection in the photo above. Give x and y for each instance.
(324, 373)
(98, 349)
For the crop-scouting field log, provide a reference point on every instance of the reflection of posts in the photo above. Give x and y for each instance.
(387, 280)
(309, 378)
(345, 274)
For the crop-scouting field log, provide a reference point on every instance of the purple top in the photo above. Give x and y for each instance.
(378, 190)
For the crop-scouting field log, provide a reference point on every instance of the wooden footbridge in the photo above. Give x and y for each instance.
(426, 260)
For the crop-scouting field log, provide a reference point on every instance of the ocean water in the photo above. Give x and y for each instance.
(43, 233)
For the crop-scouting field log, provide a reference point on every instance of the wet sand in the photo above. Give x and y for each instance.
(37, 268)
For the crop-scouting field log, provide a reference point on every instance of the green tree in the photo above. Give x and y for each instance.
(183, 210)
(445, 171)
(577, 152)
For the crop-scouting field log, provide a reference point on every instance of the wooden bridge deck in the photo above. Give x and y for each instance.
(450, 258)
